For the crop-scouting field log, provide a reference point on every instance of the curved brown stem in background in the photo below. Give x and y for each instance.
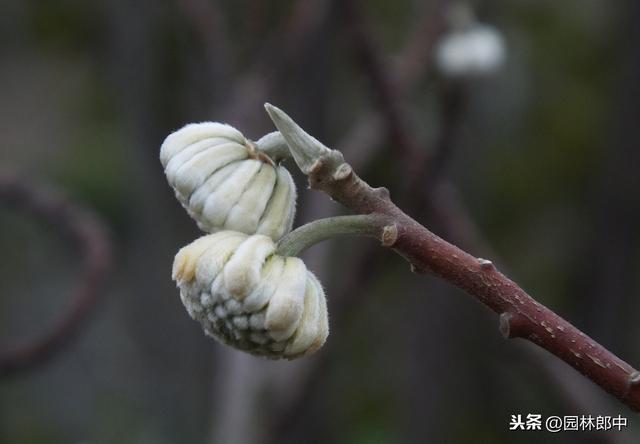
(89, 235)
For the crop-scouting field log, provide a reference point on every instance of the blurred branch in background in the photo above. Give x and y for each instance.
(413, 62)
(382, 87)
(87, 233)
(277, 52)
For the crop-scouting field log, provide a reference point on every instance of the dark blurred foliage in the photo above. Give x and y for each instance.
(544, 162)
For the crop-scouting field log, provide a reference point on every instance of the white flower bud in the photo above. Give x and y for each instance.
(224, 183)
(471, 51)
(250, 298)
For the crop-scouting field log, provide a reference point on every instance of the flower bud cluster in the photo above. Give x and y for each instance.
(232, 281)
(250, 298)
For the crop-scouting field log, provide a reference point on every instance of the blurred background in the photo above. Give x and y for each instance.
(531, 162)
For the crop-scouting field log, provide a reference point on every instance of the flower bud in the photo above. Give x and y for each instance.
(225, 183)
(469, 49)
(250, 298)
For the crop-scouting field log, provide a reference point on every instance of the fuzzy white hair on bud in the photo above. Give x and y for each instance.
(248, 297)
(225, 183)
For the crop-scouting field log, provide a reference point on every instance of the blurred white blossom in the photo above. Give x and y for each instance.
(469, 49)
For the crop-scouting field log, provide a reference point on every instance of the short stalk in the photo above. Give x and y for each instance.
(310, 234)
(274, 146)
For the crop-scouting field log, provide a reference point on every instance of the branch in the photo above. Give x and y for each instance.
(372, 64)
(288, 39)
(429, 194)
(84, 230)
(521, 316)
(389, 85)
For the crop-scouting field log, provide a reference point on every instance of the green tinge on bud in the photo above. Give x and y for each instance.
(304, 148)
(250, 298)
(224, 183)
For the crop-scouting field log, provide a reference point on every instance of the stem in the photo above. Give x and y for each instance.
(274, 146)
(521, 316)
(310, 234)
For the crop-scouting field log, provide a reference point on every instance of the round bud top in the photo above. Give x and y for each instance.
(473, 51)
(250, 298)
(225, 183)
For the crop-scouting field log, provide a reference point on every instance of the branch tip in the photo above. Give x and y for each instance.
(305, 149)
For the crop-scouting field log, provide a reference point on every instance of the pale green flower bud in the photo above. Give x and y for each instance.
(250, 298)
(224, 183)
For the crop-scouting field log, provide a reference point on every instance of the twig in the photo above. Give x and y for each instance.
(416, 56)
(381, 83)
(520, 315)
(283, 48)
(430, 195)
(85, 231)
(409, 66)
(453, 99)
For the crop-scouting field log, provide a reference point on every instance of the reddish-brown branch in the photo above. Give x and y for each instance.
(410, 65)
(89, 235)
(520, 315)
